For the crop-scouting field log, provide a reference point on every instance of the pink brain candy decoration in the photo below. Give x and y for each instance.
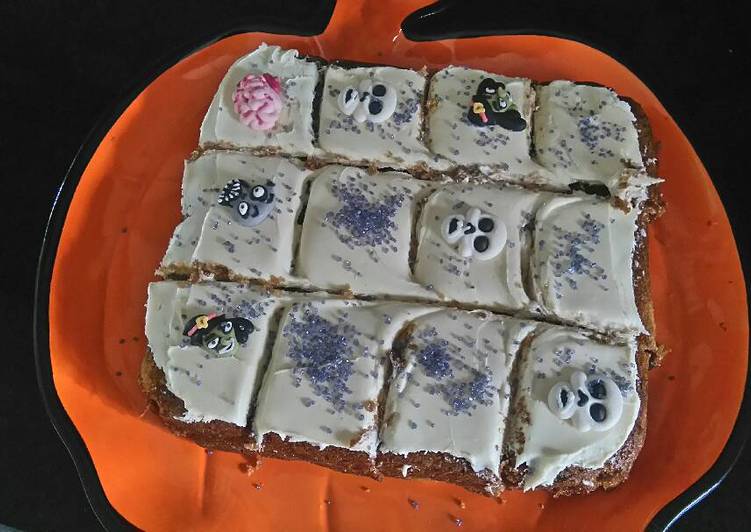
(258, 101)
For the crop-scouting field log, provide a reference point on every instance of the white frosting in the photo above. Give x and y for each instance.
(211, 386)
(450, 390)
(497, 282)
(585, 133)
(551, 444)
(495, 149)
(162, 316)
(582, 264)
(293, 132)
(208, 233)
(634, 188)
(210, 389)
(342, 412)
(395, 142)
(183, 242)
(333, 256)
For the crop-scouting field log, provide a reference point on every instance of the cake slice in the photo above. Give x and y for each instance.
(373, 116)
(584, 264)
(321, 395)
(586, 134)
(579, 412)
(208, 347)
(474, 244)
(264, 104)
(447, 404)
(240, 218)
(357, 232)
(481, 122)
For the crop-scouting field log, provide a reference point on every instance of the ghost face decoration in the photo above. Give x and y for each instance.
(372, 100)
(218, 335)
(591, 402)
(475, 234)
(492, 105)
(250, 204)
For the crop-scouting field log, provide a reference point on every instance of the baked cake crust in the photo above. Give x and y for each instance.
(214, 435)
(336, 458)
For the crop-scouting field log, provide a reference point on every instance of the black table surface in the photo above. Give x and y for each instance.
(63, 63)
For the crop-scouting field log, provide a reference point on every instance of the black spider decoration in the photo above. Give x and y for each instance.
(250, 205)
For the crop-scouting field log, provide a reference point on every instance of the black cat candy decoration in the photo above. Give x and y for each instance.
(492, 106)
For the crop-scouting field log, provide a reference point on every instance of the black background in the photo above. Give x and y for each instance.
(63, 63)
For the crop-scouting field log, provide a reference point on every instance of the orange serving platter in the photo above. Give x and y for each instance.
(121, 215)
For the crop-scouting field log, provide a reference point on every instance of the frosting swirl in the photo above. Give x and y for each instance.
(258, 101)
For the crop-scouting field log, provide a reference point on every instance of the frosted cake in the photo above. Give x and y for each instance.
(411, 273)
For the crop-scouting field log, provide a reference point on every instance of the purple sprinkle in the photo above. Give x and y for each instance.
(572, 254)
(462, 396)
(435, 360)
(365, 222)
(322, 352)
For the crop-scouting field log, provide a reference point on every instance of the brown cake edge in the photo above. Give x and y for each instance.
(213, 435)
(442, 467)
(273, 445)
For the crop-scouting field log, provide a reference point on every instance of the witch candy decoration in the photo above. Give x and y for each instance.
(492, 105)
(218, 335)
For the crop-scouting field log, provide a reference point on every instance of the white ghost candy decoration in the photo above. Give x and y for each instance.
(372, 100)
(476, 233)
(591, 402)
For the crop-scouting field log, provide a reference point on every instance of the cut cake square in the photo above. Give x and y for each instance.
(240, 218)
(447, 404)
(264, 104)
(374, 116)
(357, 232)
(583, 263)
(474, 244)
(210, 341)
(321, 395)
(578, 412)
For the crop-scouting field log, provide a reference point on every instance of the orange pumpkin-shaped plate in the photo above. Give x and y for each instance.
(114, 216)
